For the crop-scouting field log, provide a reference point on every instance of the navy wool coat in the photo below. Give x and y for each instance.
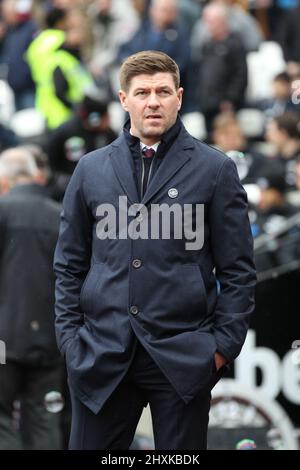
(182, 305)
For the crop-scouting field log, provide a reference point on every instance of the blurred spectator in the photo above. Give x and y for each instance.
(272, 187)
(29, 224)
(20, 33)
(290, 39)
(54, 182)
(284, 133)
(87, 130)
(281, 100)
(261, 10)
(162, 32)
(240, 22)
(220, 69)
(142, 8)
(54, 58)
(114, 23)
(79, 36)
(279, 243)
(189, 12)
(227, 135)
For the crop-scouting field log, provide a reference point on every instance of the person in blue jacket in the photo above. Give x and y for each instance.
(155, 274)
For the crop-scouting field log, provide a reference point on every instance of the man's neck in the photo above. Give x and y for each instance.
(153, 145)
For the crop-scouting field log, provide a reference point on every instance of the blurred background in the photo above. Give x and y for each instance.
(240, 69)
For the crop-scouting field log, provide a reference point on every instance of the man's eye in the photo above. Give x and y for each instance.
(141, 93)
(164, 92)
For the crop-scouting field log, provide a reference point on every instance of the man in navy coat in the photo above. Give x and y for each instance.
(155, 275)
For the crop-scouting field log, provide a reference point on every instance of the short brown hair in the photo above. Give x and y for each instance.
(149, 63)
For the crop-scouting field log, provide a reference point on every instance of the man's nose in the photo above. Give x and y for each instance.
(153, 101)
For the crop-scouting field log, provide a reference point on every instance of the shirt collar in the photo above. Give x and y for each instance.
(154, 146)
(142, 145)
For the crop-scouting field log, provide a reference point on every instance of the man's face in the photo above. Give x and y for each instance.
(152, 102)
(216, 24)
(8, 10)
(270, 198)
(76, 31)
(163, 13)
(281, 90)
(229, 138)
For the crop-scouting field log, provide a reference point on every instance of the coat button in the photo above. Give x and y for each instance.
(134, 310)
(136, 263)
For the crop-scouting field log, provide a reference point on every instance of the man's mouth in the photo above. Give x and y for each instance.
(154, 116)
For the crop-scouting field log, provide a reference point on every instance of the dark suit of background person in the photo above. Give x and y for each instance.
(147, 311)
(220, 68)
(29, 224)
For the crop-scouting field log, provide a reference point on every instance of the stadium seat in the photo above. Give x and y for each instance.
(28, 123)
(252, 122)
(263, 65)
(195, 124)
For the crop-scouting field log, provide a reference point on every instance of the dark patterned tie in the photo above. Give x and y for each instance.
(148, 156)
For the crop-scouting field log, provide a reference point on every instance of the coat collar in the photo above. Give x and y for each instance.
(166, 140)
(124, 168)
(175, 158)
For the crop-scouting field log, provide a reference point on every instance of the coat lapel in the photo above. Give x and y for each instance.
(123, 167)
(173, 161)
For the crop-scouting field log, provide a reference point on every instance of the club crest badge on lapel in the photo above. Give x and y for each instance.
(173, 193)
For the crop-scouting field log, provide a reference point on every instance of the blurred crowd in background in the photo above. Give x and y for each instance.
(59, 61)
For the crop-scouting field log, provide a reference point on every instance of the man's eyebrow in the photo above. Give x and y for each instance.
(164, 88)
(141, 88)
(146, 88)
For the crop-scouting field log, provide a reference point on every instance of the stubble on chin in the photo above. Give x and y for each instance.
(155, 131)
(152, 132)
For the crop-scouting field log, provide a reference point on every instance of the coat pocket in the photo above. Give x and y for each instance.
(196, 291)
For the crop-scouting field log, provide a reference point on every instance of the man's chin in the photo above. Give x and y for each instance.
(154, 130)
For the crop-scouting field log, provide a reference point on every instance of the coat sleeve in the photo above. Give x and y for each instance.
(72, 258)
(232, 248)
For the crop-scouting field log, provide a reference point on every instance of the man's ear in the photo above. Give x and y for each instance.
(179, 95)
(123, 99)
